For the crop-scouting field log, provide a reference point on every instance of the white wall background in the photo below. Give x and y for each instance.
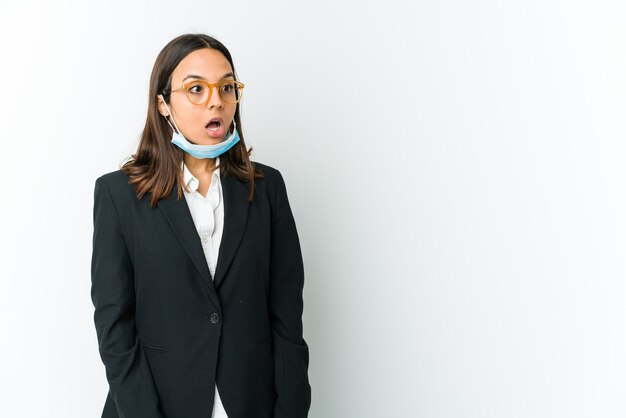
(456, 170)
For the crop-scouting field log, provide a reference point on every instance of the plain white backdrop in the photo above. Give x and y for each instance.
(455, 168)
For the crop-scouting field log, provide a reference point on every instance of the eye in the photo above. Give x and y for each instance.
(196, 88)
(228, 87)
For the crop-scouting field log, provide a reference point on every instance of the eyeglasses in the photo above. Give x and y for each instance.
(199, 92)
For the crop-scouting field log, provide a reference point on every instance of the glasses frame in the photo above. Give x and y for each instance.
(186, 86)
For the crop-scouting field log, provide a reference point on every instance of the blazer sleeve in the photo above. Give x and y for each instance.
(113, 296)
(291, 353)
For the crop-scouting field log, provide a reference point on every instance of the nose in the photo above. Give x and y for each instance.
(215, 100)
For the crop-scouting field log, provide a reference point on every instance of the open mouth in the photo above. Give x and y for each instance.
(214, 125)
(215, 128)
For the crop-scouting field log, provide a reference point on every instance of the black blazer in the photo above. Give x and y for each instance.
(167, 331)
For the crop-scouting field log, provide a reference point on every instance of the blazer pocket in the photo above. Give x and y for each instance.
(153, 348)
(262, 339)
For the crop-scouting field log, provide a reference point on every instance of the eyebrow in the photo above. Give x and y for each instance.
(202, 78)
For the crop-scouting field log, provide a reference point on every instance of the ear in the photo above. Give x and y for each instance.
(161, 106)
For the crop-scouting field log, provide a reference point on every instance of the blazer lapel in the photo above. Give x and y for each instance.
(179, 217)
(235, 195)
(236, 206)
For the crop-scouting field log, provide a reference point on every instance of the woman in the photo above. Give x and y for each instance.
(197, 272)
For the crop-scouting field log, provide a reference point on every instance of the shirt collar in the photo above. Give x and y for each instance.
(192, 182)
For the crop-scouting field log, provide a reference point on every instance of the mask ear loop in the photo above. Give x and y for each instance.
(169, 114)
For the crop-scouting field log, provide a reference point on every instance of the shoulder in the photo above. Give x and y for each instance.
(268, 171)
(114, 180)
(114, 177)
(115, 183)
(271, 176)
(274, 185)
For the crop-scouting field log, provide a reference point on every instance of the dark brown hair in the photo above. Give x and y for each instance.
(156, 166)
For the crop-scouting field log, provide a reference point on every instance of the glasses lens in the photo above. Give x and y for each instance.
(230, 91)
(197, 92)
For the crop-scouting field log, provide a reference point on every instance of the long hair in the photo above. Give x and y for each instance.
(156, 166)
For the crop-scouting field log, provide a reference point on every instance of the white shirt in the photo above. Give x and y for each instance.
(208, 217)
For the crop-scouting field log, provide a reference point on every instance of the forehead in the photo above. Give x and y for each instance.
(208, 63)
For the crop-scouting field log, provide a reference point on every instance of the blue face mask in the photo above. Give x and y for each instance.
(201, 151)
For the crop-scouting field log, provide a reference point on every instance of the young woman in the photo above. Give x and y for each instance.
(197, 272)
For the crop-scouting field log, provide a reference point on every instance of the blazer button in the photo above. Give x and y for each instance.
(215, 318)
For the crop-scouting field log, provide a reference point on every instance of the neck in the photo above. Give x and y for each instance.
(199, 166)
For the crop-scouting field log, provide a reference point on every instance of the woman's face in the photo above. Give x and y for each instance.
(209, 65)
